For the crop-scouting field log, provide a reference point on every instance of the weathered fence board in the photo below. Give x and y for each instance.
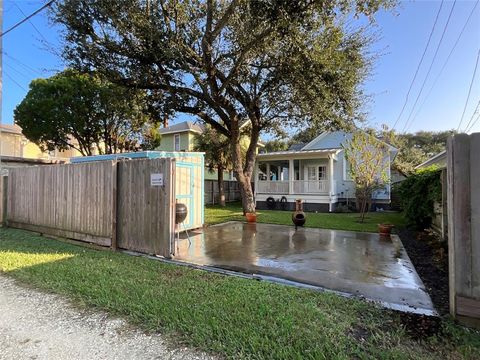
(463, 197)
(73, 201)
(3, 199)
(145, 220)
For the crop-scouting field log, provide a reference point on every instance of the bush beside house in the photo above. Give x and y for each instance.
(418, 193)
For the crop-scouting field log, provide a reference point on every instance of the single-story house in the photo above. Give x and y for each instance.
(317, 173)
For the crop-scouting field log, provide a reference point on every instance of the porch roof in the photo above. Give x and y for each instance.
(301, 154)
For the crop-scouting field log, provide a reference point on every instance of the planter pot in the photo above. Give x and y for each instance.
(385, 229)
(251, 217)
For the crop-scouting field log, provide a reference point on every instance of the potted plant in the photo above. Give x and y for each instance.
(251, 217)
(385, 229)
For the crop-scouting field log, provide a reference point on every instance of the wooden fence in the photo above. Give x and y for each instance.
(3, 199)
(463, 197)
(232, 191)
(107, 203)
(145, 212)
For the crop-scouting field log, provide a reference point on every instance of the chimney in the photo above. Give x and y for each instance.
(165, 121)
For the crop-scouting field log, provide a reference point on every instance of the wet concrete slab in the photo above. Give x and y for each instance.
(354, 263)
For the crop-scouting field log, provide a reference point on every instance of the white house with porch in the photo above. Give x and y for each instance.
(317, 173)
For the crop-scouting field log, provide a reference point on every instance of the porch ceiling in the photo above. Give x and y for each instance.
(306, 154)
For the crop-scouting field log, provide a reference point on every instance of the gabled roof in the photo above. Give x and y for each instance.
(12, 129)
(438, 159)
(335, 139)
(296, 147)
(182, 127)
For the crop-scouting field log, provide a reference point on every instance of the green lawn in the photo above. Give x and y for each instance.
(235, 317)
(215, 214)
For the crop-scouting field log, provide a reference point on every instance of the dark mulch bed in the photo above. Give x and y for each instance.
(430, 258)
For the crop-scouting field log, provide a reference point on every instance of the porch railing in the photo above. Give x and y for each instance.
(299, 187)
(311, 186)
(272, 187)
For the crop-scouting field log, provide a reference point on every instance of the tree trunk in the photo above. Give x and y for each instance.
(242, 172)
(221, 188)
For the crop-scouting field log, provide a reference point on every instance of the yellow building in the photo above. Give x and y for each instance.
(15, 148)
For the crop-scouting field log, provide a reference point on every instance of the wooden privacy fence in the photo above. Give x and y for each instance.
(463, 197)
(127, 204)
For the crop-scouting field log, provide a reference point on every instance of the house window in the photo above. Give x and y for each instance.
(317, 173)
(322, 173)
(177, 142)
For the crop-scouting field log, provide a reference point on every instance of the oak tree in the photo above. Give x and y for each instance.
(277, 63)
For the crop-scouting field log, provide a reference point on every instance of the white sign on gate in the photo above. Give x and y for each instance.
(156, 179)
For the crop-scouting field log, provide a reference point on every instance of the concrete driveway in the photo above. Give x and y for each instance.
(352, 263)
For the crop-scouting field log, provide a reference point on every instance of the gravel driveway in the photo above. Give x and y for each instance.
(37, 325)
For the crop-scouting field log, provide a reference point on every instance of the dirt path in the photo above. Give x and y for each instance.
(36, 325)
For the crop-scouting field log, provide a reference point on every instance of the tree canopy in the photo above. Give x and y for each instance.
(87, 113)
(277, 63)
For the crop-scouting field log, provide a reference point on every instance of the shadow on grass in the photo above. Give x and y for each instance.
(235, 317)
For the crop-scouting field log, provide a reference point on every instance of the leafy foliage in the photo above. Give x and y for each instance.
(84, 112)
(416, 148)
(366, 156)
(276, 63)
(418, 194)
(217, 156)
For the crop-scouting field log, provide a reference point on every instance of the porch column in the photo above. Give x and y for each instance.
(291, 176)
(332, 189)
(268, 171)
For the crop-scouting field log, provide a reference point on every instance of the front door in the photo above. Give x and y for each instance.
(316, 174)
(184, 191)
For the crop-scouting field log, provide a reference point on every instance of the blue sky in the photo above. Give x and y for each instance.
(28, 54)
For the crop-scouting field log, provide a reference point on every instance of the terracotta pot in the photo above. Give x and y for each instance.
(385, 229)
(251, 217)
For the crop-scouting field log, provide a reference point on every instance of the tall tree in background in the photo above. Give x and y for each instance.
(415, 148)
(217, 156)
(86, 113)
(277, 63)
(368, 166)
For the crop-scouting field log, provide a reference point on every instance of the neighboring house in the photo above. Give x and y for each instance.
(316, 172)
(396, 176)
(439, 159)
(181, 137)
(439, 220)
(14, 144)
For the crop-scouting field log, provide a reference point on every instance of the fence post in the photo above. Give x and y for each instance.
(3, 200)
(115, 172)
(463, 198)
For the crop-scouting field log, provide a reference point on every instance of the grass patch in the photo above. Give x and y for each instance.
(235, 317)
(215, 214)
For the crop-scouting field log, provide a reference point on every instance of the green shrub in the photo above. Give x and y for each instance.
(417, 195)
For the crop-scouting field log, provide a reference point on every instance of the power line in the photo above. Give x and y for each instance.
(471, 127)
(14, 81)
(33, 25)
(18, 71)
(430, 67)
(27, 18)
(28, 67)
(419, 64)
(477, 111)
(469, 91)
(447, 60)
